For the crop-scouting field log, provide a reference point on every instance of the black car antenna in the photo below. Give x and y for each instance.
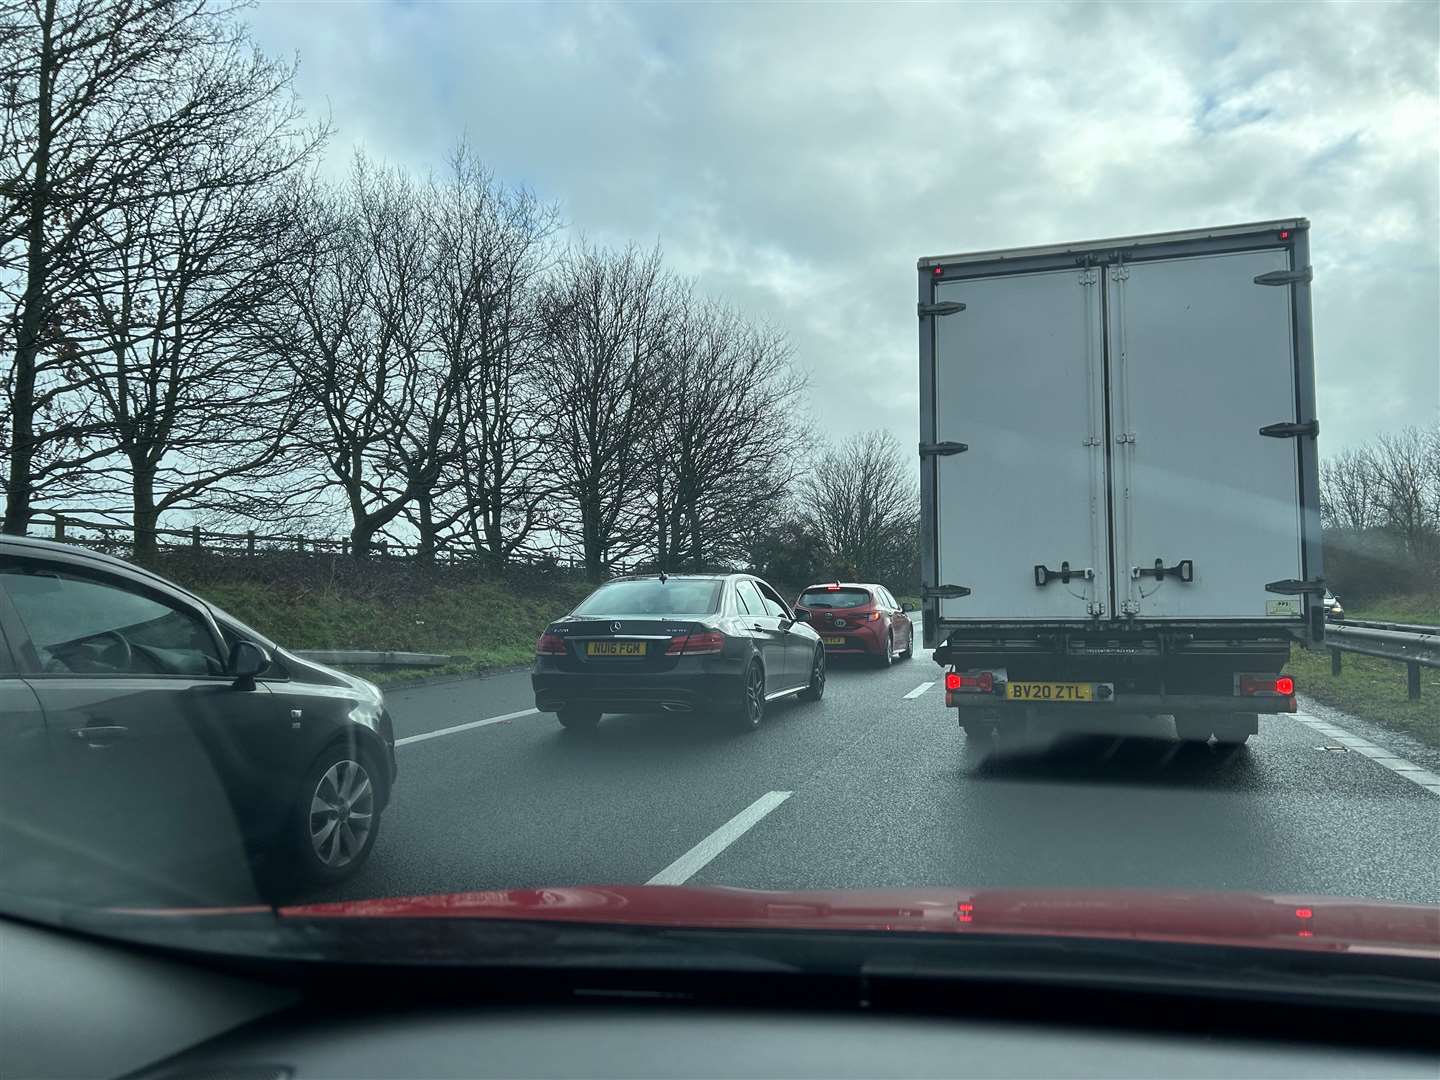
(664, 577)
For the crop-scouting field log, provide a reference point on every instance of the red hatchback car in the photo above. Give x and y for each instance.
(858, 618)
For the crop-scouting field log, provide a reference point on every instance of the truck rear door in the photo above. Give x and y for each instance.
(1202, 358)
(1019, 381)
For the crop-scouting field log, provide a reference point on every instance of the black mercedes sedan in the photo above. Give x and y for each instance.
(685, 643)
(153, 744)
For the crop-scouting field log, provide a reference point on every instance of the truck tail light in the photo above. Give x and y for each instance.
(1264, 685)
(979, 683)
(550, 645)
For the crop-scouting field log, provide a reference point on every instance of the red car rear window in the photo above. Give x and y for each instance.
(835, 598)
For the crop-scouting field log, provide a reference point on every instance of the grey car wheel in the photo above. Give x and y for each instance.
(752, 709)
(340, 816)
(816, 690)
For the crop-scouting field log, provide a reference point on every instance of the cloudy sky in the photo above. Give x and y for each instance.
(797, 159)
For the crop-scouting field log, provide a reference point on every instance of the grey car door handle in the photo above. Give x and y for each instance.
(100, 734)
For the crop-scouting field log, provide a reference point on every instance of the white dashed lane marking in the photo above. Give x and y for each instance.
(465, 727)
(920, 689)
(695, 860)
(1378, 754)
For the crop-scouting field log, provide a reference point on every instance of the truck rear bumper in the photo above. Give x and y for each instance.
(1151, 704)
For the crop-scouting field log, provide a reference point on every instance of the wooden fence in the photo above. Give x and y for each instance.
(119, 539)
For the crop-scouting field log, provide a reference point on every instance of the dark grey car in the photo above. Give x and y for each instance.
(158, 741)
(683, 643)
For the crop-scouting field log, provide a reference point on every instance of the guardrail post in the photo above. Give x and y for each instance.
(59, 526)
(1334, 661)
(300, 544)
(1412, 680)
(249, 541)
(195, 537)
(384, 549)
(345, 546)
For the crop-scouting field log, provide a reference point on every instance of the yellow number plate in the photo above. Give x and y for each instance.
(833, 641)
(615, 648)
(1049, 691)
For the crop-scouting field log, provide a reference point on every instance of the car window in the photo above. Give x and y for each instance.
(831, 596)
(750, 596)
(651, 596)
(773, 604)
(90, 626)
(740, 600)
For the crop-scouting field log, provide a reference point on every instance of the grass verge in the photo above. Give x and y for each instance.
(483, 625)
(1423, 608)
(1372, 688)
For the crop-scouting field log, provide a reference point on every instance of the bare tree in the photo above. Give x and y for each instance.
(1349, 490)
(180, 373)
(491, 246)
(383, 397)
(606, 323)
(1405, 466)
(100, 94)
(863, 499)
(723, 447)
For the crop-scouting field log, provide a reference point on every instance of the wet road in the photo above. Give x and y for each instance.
(875, 786)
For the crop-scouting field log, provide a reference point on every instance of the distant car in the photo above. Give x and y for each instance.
(859, 618)
(152, 734)
(677, 644)
(1333, 608)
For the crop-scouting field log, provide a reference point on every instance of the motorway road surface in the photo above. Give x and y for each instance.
(875, 786)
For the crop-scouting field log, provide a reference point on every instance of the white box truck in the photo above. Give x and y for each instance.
(1120, 509)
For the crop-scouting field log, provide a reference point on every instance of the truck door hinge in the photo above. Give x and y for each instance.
(1044, 575)
(1286, 277)
(1130, 607)
(1288, 430)
(1184, 570)
(942, 449)
(943, 592)
(1295, 587)
(1087, 277)
(1120, 273)
(949, 307)
(1092, 440)
(1096, 607)
(1125, 437)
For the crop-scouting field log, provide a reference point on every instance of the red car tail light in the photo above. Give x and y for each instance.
(706, 641)
(550, 645)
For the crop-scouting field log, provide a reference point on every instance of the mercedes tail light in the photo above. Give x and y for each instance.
(696, 644)
(550, 645)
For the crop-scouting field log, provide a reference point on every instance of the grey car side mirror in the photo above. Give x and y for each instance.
(802, 614)
(247, 660)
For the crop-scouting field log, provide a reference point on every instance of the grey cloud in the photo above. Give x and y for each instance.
(798, 158)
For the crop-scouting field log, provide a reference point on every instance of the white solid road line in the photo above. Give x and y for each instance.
(694, 860)
(920, 689)
(464, 727)
(1378, 754)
